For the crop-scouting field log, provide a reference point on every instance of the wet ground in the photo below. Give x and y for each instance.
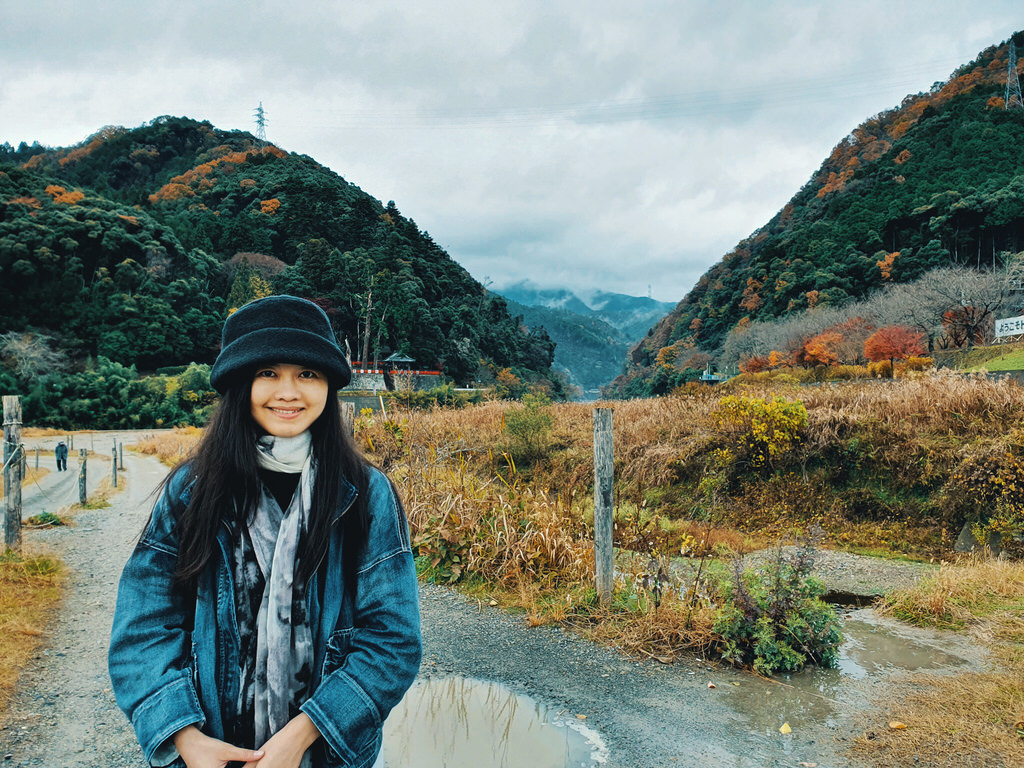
(452, 721)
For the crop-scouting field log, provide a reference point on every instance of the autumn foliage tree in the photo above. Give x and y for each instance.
(820, 349)
(893, 342)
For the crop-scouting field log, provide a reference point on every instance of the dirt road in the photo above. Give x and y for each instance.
(649, 714)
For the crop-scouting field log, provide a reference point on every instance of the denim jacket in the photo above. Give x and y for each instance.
(174, 659)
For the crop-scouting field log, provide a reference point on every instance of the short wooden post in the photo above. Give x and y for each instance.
(113, 470)
(82, 494)
(13, 458)
(71, 443)
(604, 502)
(348, 417)
(120, 454)
(37, 458)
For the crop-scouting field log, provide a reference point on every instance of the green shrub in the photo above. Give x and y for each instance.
(45, 519)
(528, 427)
(773, 619)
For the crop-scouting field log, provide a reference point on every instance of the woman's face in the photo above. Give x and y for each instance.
(287, 398)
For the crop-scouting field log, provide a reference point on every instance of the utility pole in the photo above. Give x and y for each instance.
(1013, 97)
(261, 125)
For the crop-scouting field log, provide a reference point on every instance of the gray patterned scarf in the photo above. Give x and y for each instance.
(284, 641)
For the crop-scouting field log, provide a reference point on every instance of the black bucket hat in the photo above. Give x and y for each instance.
(278, 329)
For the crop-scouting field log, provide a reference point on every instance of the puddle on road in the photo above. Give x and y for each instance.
(874, 648)
(455, 722)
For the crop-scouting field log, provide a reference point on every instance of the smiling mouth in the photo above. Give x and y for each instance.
(286, 413)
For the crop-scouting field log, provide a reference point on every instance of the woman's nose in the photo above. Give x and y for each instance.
(286, 388)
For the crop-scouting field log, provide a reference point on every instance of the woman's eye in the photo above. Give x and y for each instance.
(309, 375)
(266, 372)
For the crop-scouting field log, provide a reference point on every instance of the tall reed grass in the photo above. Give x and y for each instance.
(171, 446)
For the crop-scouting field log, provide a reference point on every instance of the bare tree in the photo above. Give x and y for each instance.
(30, 354)
(973, 299)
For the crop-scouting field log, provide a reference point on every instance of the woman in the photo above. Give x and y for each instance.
(268, 615)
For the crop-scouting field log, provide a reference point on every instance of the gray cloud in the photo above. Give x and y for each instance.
(595, 144)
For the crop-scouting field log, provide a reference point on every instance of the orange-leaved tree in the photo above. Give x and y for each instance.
(893, 342)
(820, 349)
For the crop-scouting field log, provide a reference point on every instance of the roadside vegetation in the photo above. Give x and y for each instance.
(966, 719)
(499, 497)
(29, 591)
(31, 587)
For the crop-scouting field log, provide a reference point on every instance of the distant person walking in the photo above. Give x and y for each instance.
(61, 452)
(269, 614)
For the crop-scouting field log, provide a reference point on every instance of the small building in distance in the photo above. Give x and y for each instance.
(395, 373)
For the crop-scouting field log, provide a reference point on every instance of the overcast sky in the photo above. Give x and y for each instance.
(623, 146)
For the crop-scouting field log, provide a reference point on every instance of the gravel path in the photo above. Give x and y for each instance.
(649, 714)
(66, 716)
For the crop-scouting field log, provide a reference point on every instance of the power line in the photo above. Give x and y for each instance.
(720, 102)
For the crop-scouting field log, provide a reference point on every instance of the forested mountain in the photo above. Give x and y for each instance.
(935, 182)
(587, 349)
(592, 334)
(135, 244)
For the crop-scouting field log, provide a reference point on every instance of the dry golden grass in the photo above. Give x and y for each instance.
(44, 432)
(967, 720)
(939, 401)
(30, 587)
(663, 634)
(974, 719)
(958, 593)
(172, 446)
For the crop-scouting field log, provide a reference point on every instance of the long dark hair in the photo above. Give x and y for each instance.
(227, 487)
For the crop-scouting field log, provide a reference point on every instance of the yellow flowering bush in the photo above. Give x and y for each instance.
(760, 431)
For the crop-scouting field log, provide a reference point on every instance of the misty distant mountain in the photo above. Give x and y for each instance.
(589, 351)
(591, 334)
(632, 315)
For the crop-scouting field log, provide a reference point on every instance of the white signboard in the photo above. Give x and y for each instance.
(1010, 326)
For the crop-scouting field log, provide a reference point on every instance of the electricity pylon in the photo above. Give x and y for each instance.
(261, 123)
(1013, 97)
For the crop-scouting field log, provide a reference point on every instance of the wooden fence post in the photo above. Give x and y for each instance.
(113, 462)
(120, 453)
(604, 502)
(348, 417)
(37, 458)
(13, 463)
(82, 494)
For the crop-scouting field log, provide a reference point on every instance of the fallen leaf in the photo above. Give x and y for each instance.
(785, 728)
(581, 717)
(493, 603)
(735, 683)
(896, 725)
(711, 685)
(808, 765)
